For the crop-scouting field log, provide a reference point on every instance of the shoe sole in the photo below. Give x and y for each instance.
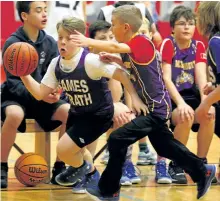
(66, 184)
(135, 181)
(82, 191)
(97, 199)
(178, 182)
(92, 196)
(127, 183)
(209, 181)
(146, 163)
(164, 181)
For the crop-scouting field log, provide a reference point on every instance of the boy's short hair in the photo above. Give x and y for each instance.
(146, 22)
(98, 25)
(181, 11)
(129, 14)
(23, 6)
(209, 17)
(72, 23)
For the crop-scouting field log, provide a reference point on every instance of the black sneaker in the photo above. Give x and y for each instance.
(204, 184)
(177, 174)
(4, 177)
(71, 175)
(58, 168)
(214, 181)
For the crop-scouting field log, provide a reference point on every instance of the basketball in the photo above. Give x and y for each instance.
(20, 59)
(31, 169)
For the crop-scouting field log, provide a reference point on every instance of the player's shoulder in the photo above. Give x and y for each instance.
(54, 60)
(214, 41)
(199, 43)
(91, 58)
(166, 43)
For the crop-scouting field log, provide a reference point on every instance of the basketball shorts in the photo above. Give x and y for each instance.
(86, 128)
(41, 111)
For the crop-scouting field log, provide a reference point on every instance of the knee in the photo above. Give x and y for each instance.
(176, 120)
(62, 113)
(14, 116)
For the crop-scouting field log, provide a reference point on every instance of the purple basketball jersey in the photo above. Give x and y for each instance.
(149, 84)
(85, 95)
(183, 66)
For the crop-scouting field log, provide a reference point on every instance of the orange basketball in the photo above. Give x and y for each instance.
(20, 59)
(31, 169)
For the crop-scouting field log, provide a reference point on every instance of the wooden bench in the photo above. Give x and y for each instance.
(42, 141)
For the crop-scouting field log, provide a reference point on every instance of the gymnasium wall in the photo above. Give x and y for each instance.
(10, 21)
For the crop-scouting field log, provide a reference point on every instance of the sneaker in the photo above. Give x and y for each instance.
(88, 181)
(71, 175)
(146, 158)
(131, 173)
(162, 176)
(214, 181)
(204, 185)
(177, 174)
(58, 168)
(104, 159)
(96, 193)
(125, 181)
(4, 177)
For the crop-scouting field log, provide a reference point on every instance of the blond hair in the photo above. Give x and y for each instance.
(129, 14)
(209, 17)
(146, 23)
(72, 23)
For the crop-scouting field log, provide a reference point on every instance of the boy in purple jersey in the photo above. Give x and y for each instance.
(184, 73)
(209, 26)
(147, 76)
(82, 77)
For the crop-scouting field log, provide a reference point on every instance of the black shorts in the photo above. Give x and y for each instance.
(41, 111)
(193, 101)
(84, 129)
(217, 120)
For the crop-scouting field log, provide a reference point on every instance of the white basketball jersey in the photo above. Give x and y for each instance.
(57, 10)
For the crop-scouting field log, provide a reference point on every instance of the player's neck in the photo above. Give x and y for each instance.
(182, 44)
(128, 36)
(32, 33)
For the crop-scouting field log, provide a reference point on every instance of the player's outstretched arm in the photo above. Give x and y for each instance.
(39, 91)
(106, 46)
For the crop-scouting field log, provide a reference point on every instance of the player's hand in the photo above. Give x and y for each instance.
(122, 115)
(138, 106)
(185, 112)
(208, 88)
(79, 39)
(107, 57)
(53, 97)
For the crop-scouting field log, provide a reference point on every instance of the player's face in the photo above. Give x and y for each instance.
(183, 29)
(105, 35)
(145, 30)
(118, 29)
(66, 47)
(37, 16)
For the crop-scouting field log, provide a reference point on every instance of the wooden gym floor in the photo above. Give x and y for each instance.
(148, 190)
